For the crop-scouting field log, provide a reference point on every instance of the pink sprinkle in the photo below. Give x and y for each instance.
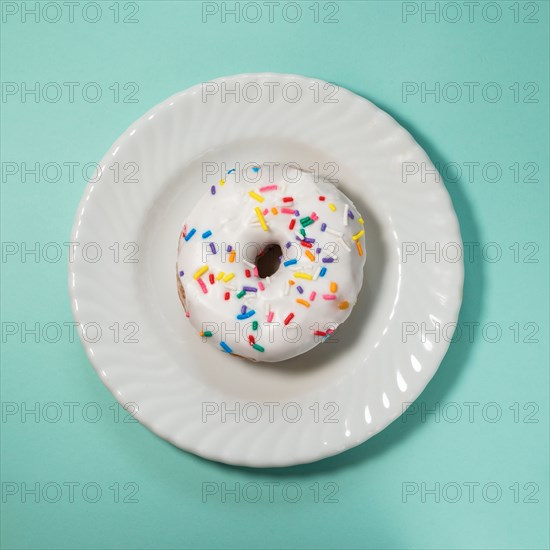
(287, 211)
(261, 285)
(270, 316)
(268, 188)
(265, 212)
(187, 314)
(314, 216)
(312, 296)
(256, 271)
(327, 296)
(202, 285)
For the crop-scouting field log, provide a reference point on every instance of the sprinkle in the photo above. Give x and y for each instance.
(288, 244)
(181, 273)
(344, 244)
(247, 273)
(211, 278)
(292, 223)
(300, 289)
(243, 309)
(268, 188)
(328, 260)
(306, 221)
(350, 215)
(190, 234)
(290, 262)
(301, 275)
(323, 271)
(213, 190)
(250, 289)
(321, 198)
(334, 232)
(270, 316)
(323, 226)
(291, 282)
(213, 248)
(332, 207)
(229, 248)
(228, 277)
(206, 234)
(319, 333)
(303, 233)
(302, 302)
(309, 240)
(220, 275)
(318, 251)
(187, 314)
(255, 169)
(246, 315)
(288, 199)
(329, 297)
(225, 347)
(333, 287)
(343, 305)
(287, 211)
(251, 339)
(358, 235)
(359, 248)
(246, 262)
(314, 216)
(201, 271)
(346, 210)
(255, 196)
(361, 221)
(261, 218)
(296, 213)
(255, 271)
(312, 296)
(261, 285)
(306, 244)
(232, 255)
(226, 296)
(288, 318)
(255, 325)
(203, 286)
(222, 182)
(274, 211)
(206, 333)
(231, 171)
(258, 347)
(310, 255)
(317, 273)
(241, 293)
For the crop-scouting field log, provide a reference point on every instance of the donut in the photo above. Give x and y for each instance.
(271, 264)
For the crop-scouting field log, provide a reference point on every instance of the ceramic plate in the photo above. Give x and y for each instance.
(123, 286)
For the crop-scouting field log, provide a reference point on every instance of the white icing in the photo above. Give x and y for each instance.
(230, 216)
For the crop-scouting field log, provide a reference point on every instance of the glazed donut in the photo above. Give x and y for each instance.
(268, 266)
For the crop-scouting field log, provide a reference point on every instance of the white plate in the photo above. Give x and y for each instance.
(345, 391)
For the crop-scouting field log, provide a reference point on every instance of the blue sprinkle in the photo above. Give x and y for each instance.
(323, 226)
(250, 288)
(322, 272)
(225, 347)
(328, 260)
(213, 190)
(213, 248)
(190, 234)
(231, 171)
(300, 289)
(255, 168)
(246, 315)
(181, 273)
(206, 234)
(290, 262)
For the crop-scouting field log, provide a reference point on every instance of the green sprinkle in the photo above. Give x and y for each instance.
(303, 232)
(306, 221)
(258, 347)
(207, 333)
(255, 325)
(241, 293)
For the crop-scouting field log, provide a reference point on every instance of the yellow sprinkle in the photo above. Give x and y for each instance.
(232, 255)
(310, 255)
(358, 235)
(220, 275)
(222, 182)
(343, 305)
(261, 218)
(361, 221)
(332, 207)
(333, 287)
(255, 195)
(359, 248)
(303, 276)
(275, 211)
(302, 302)
(228, 277)
(201, 271)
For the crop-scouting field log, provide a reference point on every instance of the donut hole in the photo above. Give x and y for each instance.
(268, 260)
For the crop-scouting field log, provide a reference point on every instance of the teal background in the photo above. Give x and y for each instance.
(372, 52)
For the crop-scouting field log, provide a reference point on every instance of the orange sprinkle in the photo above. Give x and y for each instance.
(302, 302)
(291, 282)
(333, 287)
(310, 255)
(343, 305)
(274, 210)
(232, 255)
(359, 248)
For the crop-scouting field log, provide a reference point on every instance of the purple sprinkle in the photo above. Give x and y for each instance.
(229, 248)
(309, 240)
(250, 288)
(181, 273)
(350, 214)
(300, 289)
(280, 258)
(323, 226)
(318, 251)
(328, 260)
(243, 309)
(287, 245)
(296, 212)
(213, 190)
(213, 248)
